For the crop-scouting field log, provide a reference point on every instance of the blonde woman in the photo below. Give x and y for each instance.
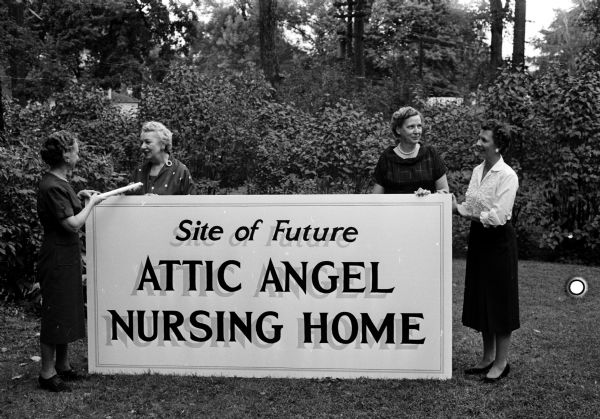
(160, 173)
(410, 166)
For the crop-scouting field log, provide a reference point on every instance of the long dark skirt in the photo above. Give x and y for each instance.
(491, 299)
(59, 274)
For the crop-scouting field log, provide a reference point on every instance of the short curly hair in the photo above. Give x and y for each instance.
(402, 115)
(502, 133)
(165, 136)
(55, 145)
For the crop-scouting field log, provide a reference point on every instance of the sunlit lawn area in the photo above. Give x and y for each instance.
(555, 372)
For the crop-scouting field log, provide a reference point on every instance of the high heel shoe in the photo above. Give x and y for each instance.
(473, 371)
(70, 375)
(501, 376)
(54, 384)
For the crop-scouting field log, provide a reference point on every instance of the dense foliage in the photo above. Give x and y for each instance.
(320, 131)
(411, 49)
(105, 151)
(213, 119)
(233, 134)
(572, 33)
(555, 116)
(108, 43)
(432, 45)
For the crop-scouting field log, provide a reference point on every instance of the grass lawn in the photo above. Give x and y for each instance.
(555, 373)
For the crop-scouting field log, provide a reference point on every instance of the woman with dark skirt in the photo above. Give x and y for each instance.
(491, 299)
(59, 265)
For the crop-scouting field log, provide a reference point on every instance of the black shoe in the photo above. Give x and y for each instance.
(54, 384)
(482, 370)
(501, 376)
(70, 375)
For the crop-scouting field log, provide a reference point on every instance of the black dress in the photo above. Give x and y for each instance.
(398, 175)
(59, 264)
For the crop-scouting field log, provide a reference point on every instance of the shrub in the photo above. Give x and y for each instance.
(332, 152)
(232, 133)
(213, 119)
(453, 130)
(19, 231)
(105, 137)
(557, 152)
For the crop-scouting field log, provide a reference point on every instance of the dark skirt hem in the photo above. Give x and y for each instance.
(491, 298)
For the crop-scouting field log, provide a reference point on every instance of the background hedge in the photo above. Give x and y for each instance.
(236, 135)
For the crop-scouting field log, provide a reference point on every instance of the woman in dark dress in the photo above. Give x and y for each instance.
(410, 166)
(59, 266)
(160, 173)
(491, 300)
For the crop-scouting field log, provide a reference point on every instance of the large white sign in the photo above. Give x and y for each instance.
(282, 286)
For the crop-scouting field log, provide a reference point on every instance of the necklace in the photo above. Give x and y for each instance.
(407, 154)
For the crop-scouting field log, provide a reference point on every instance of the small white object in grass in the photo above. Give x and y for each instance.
(576, 287)
(35, 358)
(16, 377)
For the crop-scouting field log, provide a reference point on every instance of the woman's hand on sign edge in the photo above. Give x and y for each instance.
(139, 185)
(86, 193)
(422, 192)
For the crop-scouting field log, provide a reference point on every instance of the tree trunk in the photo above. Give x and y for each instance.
(497, 15)
(267, 35)
(518, 58)
(16, 69)
(1, 110)
(359, 30)
(342, 44)
(349, 31)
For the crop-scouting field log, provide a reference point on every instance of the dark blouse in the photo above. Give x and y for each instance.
(56, 201)
(398, 175)
(171, 180)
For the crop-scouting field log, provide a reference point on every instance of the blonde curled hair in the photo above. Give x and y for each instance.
(165, 136)
(402, 115)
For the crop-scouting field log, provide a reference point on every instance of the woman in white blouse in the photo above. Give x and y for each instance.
(491, 300)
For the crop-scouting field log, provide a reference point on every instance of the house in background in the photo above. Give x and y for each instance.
(125, 103)
(444, 101)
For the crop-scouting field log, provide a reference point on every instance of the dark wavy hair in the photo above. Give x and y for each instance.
(501, 132)
(402, 115)
(55, 145)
